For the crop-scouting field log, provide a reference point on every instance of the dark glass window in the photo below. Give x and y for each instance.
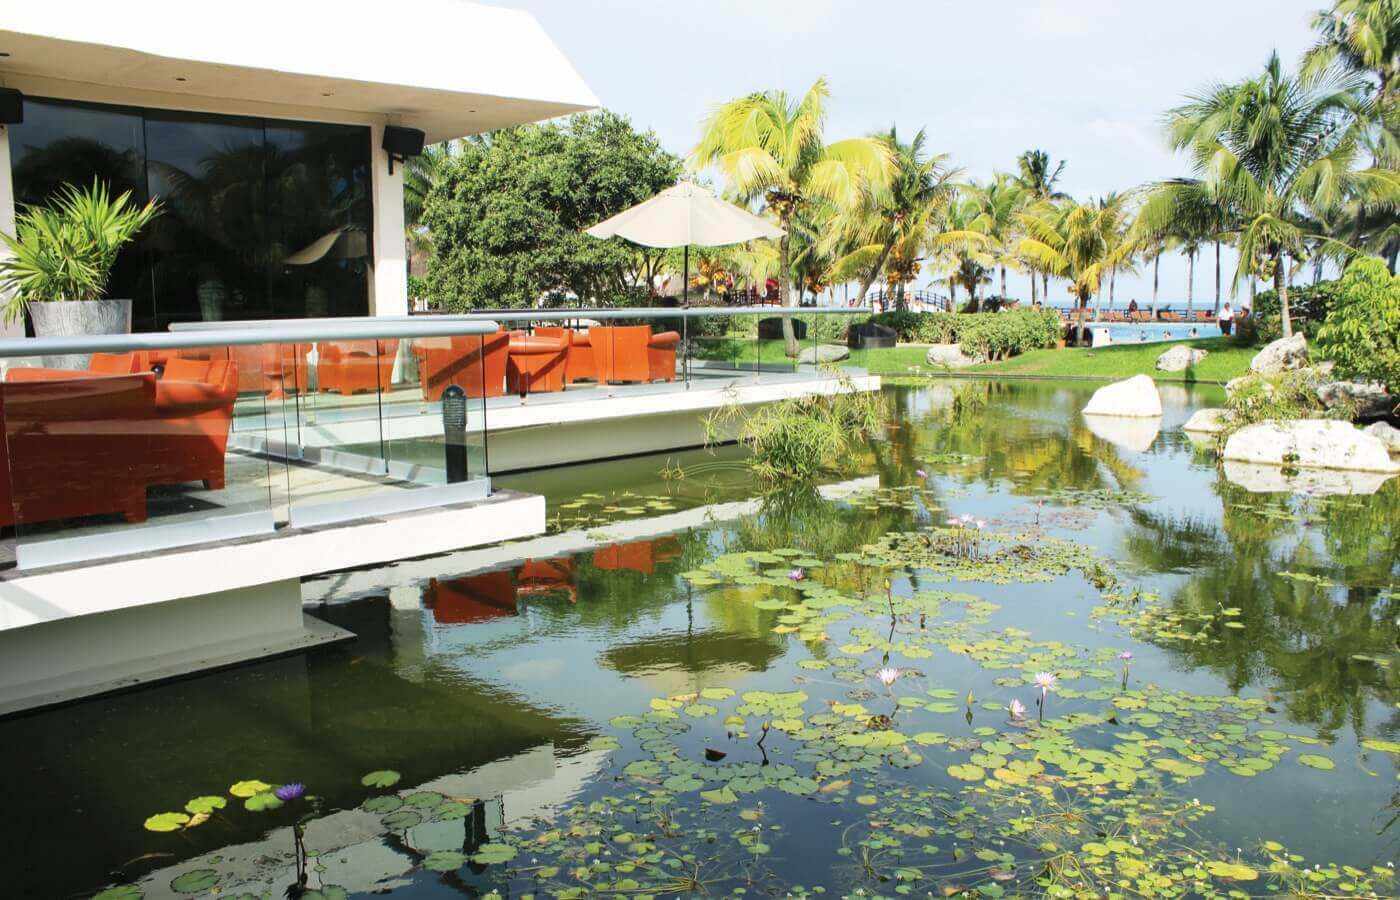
(262, 218)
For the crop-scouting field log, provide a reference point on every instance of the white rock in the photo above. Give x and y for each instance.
(1281, 356)
(1135, 397)
(1180, 358)
(1311, 444)
(825, 353)
(1135, 433)
(950, 356)
(1386, 435)
(1368, 400)
(1261, 479)
(1207, 421)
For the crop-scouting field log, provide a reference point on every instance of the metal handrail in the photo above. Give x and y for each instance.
(546, 315)
(305, 331)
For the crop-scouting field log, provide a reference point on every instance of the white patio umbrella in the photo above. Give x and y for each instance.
(684, 216)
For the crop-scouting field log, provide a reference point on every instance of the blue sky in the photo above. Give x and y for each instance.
(1086, 80)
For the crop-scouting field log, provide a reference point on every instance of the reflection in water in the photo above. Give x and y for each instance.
(498, 689)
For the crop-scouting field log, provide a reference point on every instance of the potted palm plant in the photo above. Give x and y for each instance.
(61, 257)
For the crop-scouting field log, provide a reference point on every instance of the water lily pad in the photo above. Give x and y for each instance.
(262, 802)
(205, 804)
(120, 892)
(403, 819)
(490, 854)
(195, 881)
(382, 778)
(967, 772)
(723, 795)
(445, 861)
(246, 789)
(386, 803)
(167, 821)
(1315, 761)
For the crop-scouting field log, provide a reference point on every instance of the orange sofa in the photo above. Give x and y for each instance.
(579, 362)
(536, 363)
(86, 443)
(352, 367)
(661, 356)
(475, 363)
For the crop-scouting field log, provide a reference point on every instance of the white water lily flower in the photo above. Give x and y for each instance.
(887, 676)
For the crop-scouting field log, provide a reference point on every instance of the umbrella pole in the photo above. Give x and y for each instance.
(685, 319)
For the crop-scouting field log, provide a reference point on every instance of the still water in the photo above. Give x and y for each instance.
(688, 687)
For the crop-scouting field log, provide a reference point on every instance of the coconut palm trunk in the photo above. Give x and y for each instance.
(1156, 270)
(1281, 288)
(785, 287)
(875, 270)
(1003, 282)
(1216, 311)
(1035, 290)
(1190, 284)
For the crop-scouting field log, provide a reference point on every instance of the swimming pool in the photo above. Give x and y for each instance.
(1155, 332)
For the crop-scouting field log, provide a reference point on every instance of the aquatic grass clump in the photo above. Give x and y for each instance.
(802, 437)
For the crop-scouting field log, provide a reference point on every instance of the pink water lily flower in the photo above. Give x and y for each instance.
(1126, 655)
(796, 575)
(887, 676)
(921, 473)
(1017, 709)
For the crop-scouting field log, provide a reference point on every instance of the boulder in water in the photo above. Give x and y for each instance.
(1135, 397)
(1207, 421)
(1310, 443)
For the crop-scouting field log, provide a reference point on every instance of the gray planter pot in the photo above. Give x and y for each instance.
(71, 318)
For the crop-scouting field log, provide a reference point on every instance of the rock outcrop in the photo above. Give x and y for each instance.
(1310, 443)
(950, 356)
(1207, 421)
(1366, 400)
(1282, 355)
(1180, 358)
(824, 353)
(1382, 432)
(1136, 397)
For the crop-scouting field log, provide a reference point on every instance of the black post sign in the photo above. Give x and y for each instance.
(454, 433)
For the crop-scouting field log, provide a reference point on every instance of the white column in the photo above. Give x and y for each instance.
(388, 287)
(7, 218)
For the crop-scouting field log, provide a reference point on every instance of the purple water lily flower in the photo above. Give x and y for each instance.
(921, 473)
(1126, 655)
(796, 575)
(288, 792)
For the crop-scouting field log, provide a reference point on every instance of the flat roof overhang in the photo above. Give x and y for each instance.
(453, 68)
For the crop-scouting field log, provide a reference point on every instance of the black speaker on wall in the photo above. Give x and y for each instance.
(12, 107)
(403, 142)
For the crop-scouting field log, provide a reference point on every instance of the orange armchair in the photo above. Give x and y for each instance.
(193, 415)
(475, 363)
(661, 356)
(536, 363)
(620, 352)
(351, 367)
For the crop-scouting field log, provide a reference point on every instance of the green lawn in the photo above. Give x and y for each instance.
(1226, 360)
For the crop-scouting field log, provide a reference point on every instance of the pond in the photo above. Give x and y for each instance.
(1113, 671)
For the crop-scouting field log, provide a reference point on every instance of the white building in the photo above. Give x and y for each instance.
(259, 126)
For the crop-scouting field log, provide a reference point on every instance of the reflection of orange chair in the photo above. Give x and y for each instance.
(536, 363)
(661, 356)
(350, 367)
(475, 363)
(638, 556)
(544, 576)
(579, 364)
(476, 598)
(74, 446)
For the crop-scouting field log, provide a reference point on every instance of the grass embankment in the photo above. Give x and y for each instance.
(1226, 360)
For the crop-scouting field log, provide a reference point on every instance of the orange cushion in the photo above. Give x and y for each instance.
(186, 370)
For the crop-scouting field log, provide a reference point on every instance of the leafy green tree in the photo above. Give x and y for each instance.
(998, 203)
(1276, 148)
(1362, 330)
(1082, 242)
(507, 213)
(771, 147)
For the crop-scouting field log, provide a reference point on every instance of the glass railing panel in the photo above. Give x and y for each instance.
(112, 454)
(434, 415)
(780, 339)
(720, 346)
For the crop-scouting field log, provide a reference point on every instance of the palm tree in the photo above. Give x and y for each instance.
(420, 174)
(1039, 179)
(998, 202)
(1360, 36)
(1272, 149)
(770, 147)
(895, 218)
(1081, 242)
(964, 247)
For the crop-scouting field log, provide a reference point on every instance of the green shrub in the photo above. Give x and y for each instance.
(802, 437)
(1308, 305)
(992, 335)
(1278, 398)
(1361, 333)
